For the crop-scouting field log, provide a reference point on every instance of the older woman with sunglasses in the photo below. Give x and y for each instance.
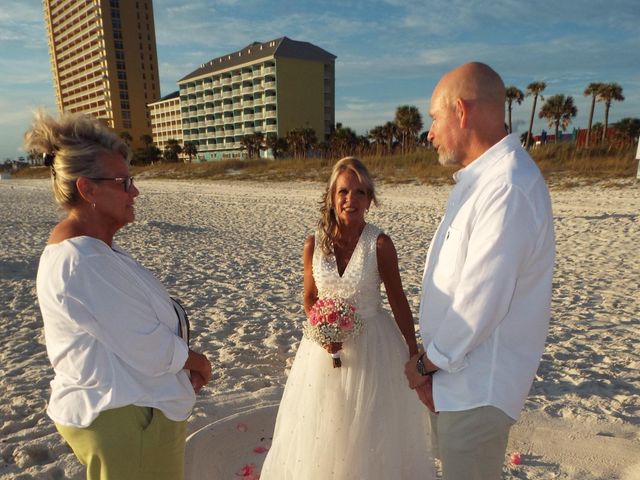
(125, 379)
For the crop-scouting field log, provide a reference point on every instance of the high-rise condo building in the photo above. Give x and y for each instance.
(270, 87)
(104, 60)
(166, 122)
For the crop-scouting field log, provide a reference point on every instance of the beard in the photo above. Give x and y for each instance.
(447, 157)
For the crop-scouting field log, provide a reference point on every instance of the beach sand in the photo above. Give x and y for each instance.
(232, 253)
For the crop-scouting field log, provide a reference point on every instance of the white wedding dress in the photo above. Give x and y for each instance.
(360, 421)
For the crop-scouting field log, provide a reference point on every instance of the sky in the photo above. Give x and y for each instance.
(389, 52)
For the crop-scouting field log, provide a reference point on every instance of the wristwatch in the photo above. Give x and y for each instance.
(422, 370)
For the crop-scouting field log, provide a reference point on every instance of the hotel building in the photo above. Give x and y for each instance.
(269, 87)
(166, 122)
(104, 61)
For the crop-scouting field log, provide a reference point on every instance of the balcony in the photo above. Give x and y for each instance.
(247, 103)
(208, 98)
(236, 79)
(270, 85)
(258, 101)
(269, 70)
(270, 114)
(226, 81)
(227, 94)
(248, 117)
(248, 130)
(270, 128)
(247, 76)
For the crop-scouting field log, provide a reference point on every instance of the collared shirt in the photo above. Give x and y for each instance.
(486, 289)
(111, 334)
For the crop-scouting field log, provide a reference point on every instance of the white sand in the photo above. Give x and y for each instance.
(232, 253)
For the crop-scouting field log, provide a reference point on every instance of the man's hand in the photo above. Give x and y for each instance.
(415, 379)
(425, 394)
(200, 368)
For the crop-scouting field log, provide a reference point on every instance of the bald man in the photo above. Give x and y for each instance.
(486, 289)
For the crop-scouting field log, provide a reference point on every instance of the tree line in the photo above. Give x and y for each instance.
(403, 133)
(559, 109)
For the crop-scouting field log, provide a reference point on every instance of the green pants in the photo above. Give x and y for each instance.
(130, 443)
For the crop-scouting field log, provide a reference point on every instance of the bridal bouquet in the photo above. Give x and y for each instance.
(331, 321)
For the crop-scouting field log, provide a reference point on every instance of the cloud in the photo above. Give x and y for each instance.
(22, 22)
(362, 114)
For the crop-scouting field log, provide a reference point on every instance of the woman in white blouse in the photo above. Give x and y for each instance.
(125, 379)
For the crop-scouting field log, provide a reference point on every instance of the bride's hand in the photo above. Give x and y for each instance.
(333, 347)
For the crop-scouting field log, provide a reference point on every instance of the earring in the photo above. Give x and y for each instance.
(93, 205)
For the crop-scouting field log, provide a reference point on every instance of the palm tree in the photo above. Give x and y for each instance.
(534, 88)
(253, 143)
(378, 137)
(126, 136)
(390, 132)
(309, 140)
(513, 94)
(628, 130)
(409, 123)
(146, 139)
(190, 150)
(608, 93)
(342, 141)
(171, 150)
(593, 90)
(276, 144)
(558, 111)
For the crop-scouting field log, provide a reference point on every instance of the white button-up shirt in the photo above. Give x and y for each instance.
(111, 334)
(486, 290)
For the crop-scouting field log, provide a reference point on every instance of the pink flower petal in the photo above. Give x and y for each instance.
(260, 449)
(515, 458)
(242, 427)
(246, 471)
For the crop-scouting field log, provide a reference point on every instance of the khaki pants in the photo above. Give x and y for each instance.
(471, 444)
(129, 443)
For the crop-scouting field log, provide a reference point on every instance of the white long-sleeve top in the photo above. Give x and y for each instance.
(111, 334)
(486, 289)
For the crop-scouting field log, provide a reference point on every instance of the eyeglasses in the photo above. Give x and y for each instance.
(127, 182)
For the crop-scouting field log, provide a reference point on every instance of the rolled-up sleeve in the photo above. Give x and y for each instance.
(500, 241)
(105, 302)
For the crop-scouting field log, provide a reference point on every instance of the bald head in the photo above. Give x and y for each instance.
(467, 108)
(473, 82)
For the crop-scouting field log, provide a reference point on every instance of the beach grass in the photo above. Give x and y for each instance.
(563, 163)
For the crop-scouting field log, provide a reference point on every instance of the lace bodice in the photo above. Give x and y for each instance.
(360, 281)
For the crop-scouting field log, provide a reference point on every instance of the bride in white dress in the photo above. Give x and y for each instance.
(359, 421)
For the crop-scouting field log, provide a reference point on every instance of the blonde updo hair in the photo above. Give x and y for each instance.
(328, 223)
(72, 146)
